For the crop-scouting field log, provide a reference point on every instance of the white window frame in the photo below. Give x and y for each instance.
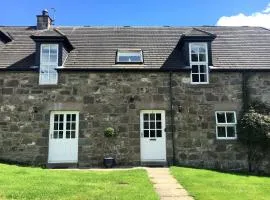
(129, 51)
(204, 44)
(226, 125)
(48, 65)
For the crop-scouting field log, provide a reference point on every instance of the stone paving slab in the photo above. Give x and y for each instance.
(166, 185)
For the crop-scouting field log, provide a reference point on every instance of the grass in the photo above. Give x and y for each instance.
(211, 185)
(35, 183)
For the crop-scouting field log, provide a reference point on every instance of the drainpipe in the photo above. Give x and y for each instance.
(172, 117)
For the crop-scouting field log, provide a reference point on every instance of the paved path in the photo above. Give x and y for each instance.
(166, 185)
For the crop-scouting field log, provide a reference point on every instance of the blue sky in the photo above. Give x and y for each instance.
(134, 13)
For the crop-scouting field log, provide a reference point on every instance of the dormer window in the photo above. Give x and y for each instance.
(48, 63)
(129, 56)
(198, 57)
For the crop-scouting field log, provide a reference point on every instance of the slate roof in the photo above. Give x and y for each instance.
(95, 47)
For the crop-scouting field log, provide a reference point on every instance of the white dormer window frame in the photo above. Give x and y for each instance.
(49, 55)
(198, 59)
(131, 56)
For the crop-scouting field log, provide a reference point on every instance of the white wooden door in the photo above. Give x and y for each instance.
(153, 136)
(63, 137)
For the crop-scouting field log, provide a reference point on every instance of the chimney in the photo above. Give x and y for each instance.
(44, 21)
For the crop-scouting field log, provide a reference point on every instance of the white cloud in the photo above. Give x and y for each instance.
(255, 19)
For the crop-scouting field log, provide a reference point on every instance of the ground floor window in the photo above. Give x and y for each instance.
(226, 124)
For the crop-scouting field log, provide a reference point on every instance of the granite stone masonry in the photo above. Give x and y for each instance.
(115, 99)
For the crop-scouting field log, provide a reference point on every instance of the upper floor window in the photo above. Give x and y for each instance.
(198, 57)
(129, 56)
(48, 62)
(226, 125)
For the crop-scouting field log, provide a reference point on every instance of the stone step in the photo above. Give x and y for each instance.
(62, 165)
(154, 163)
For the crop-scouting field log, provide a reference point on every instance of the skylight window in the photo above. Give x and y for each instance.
(129, 56)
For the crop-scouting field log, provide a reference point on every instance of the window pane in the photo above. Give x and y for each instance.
(129, 56)
(202, 69)
(202, 57)
(194, 49)
(152, 133)
(44, 58)
(73, 117)
(53, 59)
(194, 57)
(152, 125)
(158, 116)
(55, 118)
(68, 134)
(145, 117)
(159, 134)
(146, 133)
(195, 78)
(221, 131)
(45, 49)
(72, 134)
(61, 118)
(55, 134)
(53, 50)
(221, 117)
(152, 116)
(195, 69)
(230, 117)
(60, 134)
(203, 78)
(61, 126)
(146, 125)
(202, 50)
(73, 126)
(158, 125)
(68, 126)
(231, 131)
(55, 126)
(68, 117)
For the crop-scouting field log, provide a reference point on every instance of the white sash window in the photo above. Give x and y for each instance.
(198, 57)
(48, 62)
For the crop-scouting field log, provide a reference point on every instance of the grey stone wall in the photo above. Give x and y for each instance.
(115, 99)
(196, 143)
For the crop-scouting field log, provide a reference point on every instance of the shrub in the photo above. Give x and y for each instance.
(253, 131)
(110, 132)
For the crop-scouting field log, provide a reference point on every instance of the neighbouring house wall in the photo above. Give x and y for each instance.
(115, 99)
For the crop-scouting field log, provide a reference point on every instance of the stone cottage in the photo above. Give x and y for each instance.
(173, 94)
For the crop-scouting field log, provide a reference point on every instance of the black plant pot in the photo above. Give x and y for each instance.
(108, 162)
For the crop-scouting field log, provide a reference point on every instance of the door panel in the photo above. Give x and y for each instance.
(63, 137)
(153, 137)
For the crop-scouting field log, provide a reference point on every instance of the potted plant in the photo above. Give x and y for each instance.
(109, 160)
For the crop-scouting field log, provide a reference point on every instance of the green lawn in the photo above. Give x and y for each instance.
(211, 185)
(35, 183)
